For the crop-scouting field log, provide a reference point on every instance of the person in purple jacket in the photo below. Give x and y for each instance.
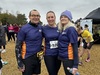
(51, 34)
(67, 43)
(28, 44)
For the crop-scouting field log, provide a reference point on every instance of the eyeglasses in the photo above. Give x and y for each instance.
(35, 15)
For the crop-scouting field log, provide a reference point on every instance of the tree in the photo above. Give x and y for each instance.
(10, 18)
(0, 10)
(21, 19)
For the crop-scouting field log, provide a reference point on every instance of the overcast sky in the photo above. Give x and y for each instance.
(78, 8)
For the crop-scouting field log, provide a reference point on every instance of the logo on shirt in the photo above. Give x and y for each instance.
(63, 32)
(40, 30)
(58, 31)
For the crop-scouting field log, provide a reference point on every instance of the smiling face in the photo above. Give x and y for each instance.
(51, 18)
(64, 20)
(34, 16)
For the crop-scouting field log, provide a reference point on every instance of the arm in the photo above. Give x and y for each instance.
(81, 41)
(75, 53)
(18, 49)
(2, 31)
(89, 38)
(73, 40)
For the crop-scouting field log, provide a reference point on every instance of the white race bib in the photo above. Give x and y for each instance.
(53, 44)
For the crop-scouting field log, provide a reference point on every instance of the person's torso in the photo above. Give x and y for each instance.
(16, 29)
(32, 38)
(10, 28)
(67, 37)
(87, 36)
(51, 35)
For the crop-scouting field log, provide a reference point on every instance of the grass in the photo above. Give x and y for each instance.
(90, 68)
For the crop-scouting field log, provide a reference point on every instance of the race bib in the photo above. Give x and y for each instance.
(53, 44)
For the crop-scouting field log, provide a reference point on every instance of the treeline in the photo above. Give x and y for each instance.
(11, 19)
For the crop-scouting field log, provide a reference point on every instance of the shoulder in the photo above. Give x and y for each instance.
(71, 29)
(45, 27)
(86, 31)
(1, 27)
(25, 27)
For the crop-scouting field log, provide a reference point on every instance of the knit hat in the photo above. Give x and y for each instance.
(67, 14)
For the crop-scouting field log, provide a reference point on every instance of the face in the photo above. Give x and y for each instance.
(34, 17)
(80, 31)
(64, 20)
(10, 24)
(50, 18)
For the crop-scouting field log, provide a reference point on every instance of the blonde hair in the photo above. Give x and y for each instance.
(61, 28)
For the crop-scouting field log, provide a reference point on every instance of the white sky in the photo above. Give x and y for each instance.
(78, 8)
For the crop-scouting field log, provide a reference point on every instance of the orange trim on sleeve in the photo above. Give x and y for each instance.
(23, 50)
(70, 51)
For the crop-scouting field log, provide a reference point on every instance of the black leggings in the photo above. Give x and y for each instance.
(52, 64)
(11, 35)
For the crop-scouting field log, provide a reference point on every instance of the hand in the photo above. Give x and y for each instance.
(81, 44)
(74, 71)
(22, 69)
(88, 44)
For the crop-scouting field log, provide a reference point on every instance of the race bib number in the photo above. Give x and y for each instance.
(53, 44)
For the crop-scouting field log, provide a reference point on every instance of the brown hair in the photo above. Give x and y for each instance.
(51, 12)
(79, 28)
(86, 26)
(31, 11)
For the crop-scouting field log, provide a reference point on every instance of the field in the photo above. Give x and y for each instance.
(90, 68)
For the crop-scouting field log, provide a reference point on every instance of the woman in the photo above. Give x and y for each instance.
(68, 49)
(88, 42)
(2, 43)
(11, 32)
(51, 33)
(2, 38)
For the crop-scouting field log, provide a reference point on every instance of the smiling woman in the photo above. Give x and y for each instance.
(51, 34)
(67, 43)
